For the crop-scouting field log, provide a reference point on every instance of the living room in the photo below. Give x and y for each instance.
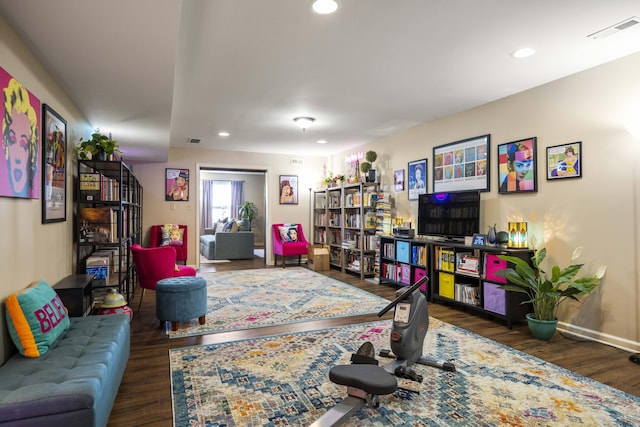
(599, 211)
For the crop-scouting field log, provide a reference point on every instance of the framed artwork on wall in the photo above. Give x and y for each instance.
(288, 189)
(176, 185)
(54, 166)
(462, 165)
(517, 172)
(417, 174)
(398, 180)
(564, 161)
(20, 167)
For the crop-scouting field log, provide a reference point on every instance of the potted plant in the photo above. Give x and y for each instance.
(367, 167)
(99, 147)
(547, 293)
(247, 212)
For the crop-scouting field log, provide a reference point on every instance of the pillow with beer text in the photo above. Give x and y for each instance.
(36, 318)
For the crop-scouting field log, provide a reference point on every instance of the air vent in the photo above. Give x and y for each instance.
(195, 140)
(295, 161)
(609, 31)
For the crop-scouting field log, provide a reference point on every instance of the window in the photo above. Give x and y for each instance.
(220, 200)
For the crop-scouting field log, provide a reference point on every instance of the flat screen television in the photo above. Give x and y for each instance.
(449, 215)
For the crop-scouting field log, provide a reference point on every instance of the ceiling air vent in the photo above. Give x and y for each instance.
(194, 140)
(295, 161)
(609, 31)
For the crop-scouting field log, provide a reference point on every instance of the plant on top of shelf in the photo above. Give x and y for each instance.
(367, 167)
(95, 147)
(545, 293)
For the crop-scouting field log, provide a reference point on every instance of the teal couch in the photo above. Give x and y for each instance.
(75, 383)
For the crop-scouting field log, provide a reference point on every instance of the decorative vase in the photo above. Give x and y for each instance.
(491, 236)
(502, 237)
(541, 329)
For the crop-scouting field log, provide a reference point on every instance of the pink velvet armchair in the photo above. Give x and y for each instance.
(155, 240)
(153, 264)
(299, 246)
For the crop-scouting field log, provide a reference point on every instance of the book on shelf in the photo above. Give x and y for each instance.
(468, 263)
(90, 186)
(98, 225)
(99, 266)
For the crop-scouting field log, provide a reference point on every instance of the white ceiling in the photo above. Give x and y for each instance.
(157, 72)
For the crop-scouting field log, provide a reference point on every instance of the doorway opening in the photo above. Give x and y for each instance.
(224, 190)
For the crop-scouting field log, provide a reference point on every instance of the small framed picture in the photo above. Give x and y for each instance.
(54, 161)
(479, 240)
(564, 161)
(176, 185)
(398, 180)
(517, 171)
(417, 178)
(288, 189)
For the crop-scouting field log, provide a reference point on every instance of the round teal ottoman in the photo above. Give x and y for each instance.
(179, 299)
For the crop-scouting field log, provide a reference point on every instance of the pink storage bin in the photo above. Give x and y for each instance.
(418, 274)
(493, 264)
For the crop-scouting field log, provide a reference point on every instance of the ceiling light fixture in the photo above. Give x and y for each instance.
(523, 53)
(322, 141)
(223, 134)
(304, 122)
(325, 7)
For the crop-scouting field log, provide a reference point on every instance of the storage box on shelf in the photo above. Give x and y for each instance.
(108, 220)
(465, 276)
(344, 220)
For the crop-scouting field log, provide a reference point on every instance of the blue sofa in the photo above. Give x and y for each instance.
(75, 383)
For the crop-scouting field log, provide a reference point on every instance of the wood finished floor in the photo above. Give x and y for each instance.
(144, 398)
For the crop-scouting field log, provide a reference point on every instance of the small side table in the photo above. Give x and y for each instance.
(76, 293)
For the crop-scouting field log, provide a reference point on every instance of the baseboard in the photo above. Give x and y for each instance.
(621, 343)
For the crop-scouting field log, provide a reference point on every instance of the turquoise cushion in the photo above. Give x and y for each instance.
(36, 317)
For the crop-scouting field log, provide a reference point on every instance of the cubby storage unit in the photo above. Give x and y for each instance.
(458, 274)
(402, 261)
(344, 219)
(465, 276)
(108, 213)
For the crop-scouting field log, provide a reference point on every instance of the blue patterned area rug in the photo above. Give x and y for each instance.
(244, 299)
(283, 381)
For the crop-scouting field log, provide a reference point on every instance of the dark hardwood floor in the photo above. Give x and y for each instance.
(144, 398)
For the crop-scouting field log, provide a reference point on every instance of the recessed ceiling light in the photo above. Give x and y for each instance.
(523, 53)
(325, 7)
(223, 133)
(322, 141)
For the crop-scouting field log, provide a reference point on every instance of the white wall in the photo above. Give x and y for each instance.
(599, 211)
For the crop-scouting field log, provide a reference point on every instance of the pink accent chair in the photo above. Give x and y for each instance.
(285, 249)
(181, 251)
(153, 264)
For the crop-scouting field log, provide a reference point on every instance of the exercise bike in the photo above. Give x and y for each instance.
(365, 379)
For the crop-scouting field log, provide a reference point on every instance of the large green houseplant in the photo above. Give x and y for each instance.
(546, 293)
(247, 212)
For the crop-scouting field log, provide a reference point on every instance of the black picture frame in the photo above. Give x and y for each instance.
(54, 166)
(561, 165)
(417, 178)
(176, 185)
(517, 166)
(462, 165)
(288, 183)
(479, 240)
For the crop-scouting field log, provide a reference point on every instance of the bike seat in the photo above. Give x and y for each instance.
(372, 379)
